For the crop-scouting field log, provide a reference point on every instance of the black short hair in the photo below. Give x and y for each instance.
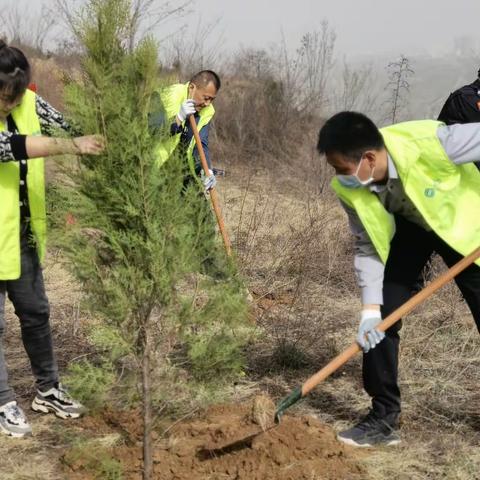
(350, 134)
(203, 78)
(15, 71)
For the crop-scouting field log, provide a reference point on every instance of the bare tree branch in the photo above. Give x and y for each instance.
(307, 73)
(23, 27)
(146, 15)
(357, 89)
(192, 53)
(149, 14)
(399, 73)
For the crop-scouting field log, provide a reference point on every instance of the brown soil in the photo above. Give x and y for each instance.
(222, 445)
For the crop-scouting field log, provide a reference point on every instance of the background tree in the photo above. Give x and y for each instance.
(357, 89)
(190, 50)
(28, 28)
(399, 73)
(304, 76)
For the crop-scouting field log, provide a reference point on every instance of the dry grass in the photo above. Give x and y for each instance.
(48, 78)
(297, 257)
(29, 459)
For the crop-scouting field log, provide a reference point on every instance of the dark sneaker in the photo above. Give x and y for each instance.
(370, 432)
(58, 401)
(13, 421)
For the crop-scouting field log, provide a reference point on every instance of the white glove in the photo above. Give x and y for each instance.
(368, 336)
(209, 181)
(187, 108)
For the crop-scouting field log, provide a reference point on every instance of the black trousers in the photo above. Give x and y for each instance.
(410, 249)
(32, 308)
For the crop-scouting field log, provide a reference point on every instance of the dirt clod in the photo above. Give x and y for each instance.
(263, 412)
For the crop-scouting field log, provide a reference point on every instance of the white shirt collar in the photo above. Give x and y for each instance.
(392, 174)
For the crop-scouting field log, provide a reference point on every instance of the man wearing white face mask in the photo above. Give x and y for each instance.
(354, 181)
(409, 190)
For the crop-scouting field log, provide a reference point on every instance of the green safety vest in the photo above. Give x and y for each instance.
(172, 98)
(446, 195)
(27, 122)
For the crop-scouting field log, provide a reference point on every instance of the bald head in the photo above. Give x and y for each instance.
(205, 77)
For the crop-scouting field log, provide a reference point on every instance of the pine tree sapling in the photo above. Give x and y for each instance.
(139, 231)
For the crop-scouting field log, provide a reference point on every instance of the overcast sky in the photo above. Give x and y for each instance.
(362, 26)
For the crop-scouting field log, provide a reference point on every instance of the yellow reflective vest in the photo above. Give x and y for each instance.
(446, 195)
(172, 98)
(27, 122)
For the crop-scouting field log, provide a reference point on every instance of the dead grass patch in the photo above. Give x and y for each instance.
(307, 306)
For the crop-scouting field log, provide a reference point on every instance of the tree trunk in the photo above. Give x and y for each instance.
(147, 404)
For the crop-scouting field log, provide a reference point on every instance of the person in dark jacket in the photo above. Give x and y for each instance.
(463, 105)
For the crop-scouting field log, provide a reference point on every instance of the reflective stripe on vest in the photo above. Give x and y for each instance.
(27, 122)
(172, 98)
(446, 195)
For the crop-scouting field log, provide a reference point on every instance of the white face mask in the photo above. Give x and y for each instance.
(352, 181)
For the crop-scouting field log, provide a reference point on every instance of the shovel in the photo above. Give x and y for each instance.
(303, 390)
(353, 349)
(213, 192)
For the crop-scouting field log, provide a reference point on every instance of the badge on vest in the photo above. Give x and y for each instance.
(430, 192)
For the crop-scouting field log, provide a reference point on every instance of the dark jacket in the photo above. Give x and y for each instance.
(463, 105)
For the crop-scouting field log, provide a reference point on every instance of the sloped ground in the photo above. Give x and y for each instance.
(302, 270)
(306, 306)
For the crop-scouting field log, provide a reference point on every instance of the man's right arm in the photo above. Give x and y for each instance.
(158, 121)
(369, 268)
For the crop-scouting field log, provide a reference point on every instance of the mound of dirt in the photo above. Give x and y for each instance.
(222, 445)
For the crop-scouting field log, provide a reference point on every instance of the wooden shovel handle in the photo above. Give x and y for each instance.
(401, 311)
(213, 192)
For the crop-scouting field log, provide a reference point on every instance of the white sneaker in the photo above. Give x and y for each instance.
(13, 421)
(58, 401)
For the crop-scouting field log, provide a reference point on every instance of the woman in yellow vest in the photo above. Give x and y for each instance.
(409, 190)
(23, 117)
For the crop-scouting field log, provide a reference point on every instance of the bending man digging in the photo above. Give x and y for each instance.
(409, 190)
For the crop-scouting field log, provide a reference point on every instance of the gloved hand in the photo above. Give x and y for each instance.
(209, 181)
(368, 336)
(187, 108)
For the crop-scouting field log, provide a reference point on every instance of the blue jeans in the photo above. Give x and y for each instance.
(31, 307)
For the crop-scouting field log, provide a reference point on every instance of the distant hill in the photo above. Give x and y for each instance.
(434, 79)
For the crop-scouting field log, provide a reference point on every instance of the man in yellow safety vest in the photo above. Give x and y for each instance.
(178, 102)
(409, 190)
